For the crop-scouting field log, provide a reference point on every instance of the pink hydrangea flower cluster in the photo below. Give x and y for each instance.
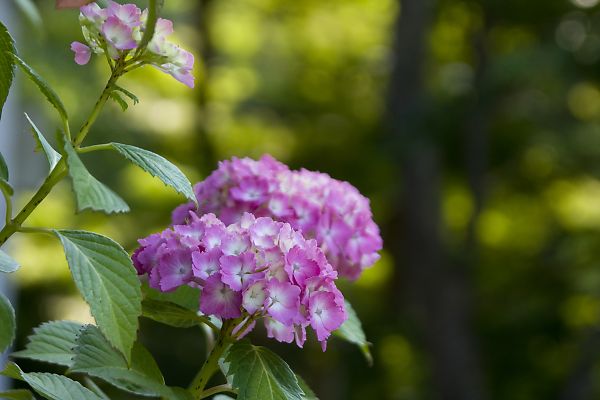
(256, 268)
(118, 30)
(322, 208)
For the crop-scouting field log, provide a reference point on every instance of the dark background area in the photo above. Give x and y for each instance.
(473, 127)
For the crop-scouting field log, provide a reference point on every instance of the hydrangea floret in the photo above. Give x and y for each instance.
(332, 212)
(253, 269)
(117, 31)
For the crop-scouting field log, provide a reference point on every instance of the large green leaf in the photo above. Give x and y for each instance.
(308, 393)
(157, 166)
(58, 387)
(52, 342)
(171, 314)
(106, 278)
(352, 331)
(42, 144)
(260, 374)
(7, 264)
(90, 384)
(19, 394)
(7, 65)
(96, 357)
(51, 386)
(7, 323)
(89, 192)
(43, 86)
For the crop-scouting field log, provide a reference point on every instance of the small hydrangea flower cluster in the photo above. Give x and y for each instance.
(118, 29)
(331, 211)
(254, 268)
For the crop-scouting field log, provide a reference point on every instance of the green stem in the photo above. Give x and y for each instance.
(217, 389)
(30, 229)
(14, 225)
(211, 365)
(85, 128)
(67, 129)
(95, 147)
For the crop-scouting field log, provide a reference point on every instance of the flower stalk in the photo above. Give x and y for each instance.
(211, 365)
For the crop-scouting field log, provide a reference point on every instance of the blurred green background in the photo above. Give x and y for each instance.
(472, 125)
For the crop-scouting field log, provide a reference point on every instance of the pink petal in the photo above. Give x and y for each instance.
(283, 301)
(254, 297)
(82, 53)
(218, 299)
(118, 34)
(206, 263)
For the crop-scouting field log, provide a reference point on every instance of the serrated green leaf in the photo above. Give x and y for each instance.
(170, 314)
(90, 384)
(7, 66)
(51, 386)
(58, 387)
(42, 144)
(96, 357)
(127, 93)
(7, 264)
(119, 100)
(157, 166)
(52, 342)
(93, 350)
(7, 323)
(154, 7)
(90, 192)
(352, 331)
(3, 166)
(107, 280)
(308, 393)
(42, 85)
(258, 373)
(19, 394)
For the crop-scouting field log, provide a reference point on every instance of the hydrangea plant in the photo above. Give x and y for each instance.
(255, 243)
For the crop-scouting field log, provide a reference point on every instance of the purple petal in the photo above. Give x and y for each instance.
(82, 53)
(218, 299)
(206, 263)
(175, 269)
(283, 301)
